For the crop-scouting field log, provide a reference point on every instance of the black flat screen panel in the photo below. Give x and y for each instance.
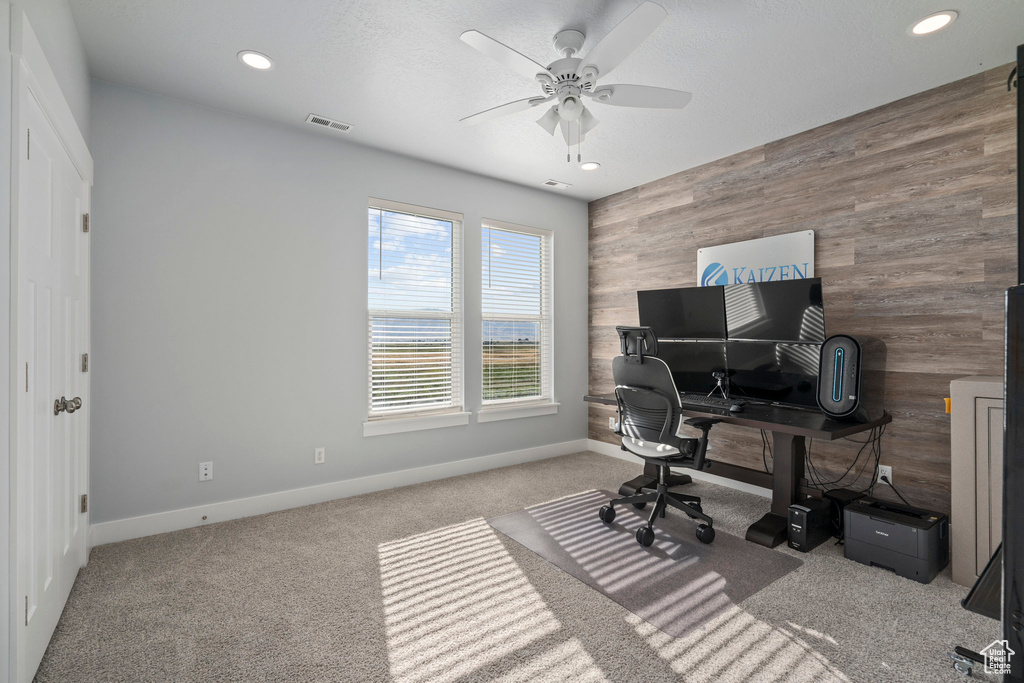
(693, 362)
(684, 312)
(784, 311)
(775, 373)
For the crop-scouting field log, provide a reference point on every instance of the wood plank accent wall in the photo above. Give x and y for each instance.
(913, 207)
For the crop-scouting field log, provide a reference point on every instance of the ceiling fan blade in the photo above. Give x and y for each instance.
(507, 108)
(623, 39)
(645, 96)
(504, 55)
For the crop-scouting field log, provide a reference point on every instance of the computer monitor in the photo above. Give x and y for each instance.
(783, 311)
(692, 362)
(683, 312)
(771, 372)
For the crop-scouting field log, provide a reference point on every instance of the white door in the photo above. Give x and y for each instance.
(53, 324)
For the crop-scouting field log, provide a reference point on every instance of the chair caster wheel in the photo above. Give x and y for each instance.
(705, 534)
(639, 506)
(645, 536)
(607, 514)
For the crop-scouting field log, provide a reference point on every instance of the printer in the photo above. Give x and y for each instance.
(911, 542)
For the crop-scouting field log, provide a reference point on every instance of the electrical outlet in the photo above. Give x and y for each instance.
(318, 455)
(884, 471)
(205, 471)
(611, 423)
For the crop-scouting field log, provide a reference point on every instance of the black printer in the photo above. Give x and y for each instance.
(913, 543)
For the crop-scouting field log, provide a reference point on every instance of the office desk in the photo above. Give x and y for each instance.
(790, 428)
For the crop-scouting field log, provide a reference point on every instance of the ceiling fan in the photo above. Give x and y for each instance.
(571, 79)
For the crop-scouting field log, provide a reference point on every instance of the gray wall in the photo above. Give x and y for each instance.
(229, 306)
(55, 27)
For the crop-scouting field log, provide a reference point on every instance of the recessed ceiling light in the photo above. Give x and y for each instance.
(256, 60)
(933, 22)
(590, 165)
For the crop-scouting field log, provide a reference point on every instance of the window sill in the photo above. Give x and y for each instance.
(496, 414)
(398, 425)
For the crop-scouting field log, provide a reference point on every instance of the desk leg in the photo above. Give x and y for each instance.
(649, 477)
(790, 452)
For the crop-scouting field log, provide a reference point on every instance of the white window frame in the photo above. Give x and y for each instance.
(506, 409)
(416, 419)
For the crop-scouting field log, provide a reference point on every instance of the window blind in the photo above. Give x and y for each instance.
(516, 307)
(414, 306)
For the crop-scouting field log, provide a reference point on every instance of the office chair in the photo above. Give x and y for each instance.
(649, 418)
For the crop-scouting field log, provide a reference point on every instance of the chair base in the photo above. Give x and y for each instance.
(662, 499)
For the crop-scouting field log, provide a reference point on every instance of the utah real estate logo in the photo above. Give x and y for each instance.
(997, 657)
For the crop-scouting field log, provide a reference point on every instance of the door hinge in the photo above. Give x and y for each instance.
(28, 155)
(85, 222)
(85, 502)
(26, 377)
(26, 610)
(85, 362)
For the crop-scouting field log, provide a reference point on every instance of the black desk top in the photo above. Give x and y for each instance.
(781, 419)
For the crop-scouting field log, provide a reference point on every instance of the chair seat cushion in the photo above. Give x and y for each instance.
(648, 449)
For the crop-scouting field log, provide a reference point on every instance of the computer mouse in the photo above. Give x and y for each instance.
(736, 408)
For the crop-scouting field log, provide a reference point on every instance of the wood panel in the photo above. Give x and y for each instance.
(913, 206)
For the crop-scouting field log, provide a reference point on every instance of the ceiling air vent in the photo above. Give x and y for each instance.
(325, 122)
(557, 183)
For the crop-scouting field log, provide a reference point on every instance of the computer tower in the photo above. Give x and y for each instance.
(810, 524)
(851, 377)
(840, 499)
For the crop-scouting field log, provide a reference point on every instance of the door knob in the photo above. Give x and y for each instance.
(66, 405)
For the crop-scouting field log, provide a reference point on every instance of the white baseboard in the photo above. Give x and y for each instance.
(173, 520)
(616, 452)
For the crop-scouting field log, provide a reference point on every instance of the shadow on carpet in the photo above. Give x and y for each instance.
(677, 584)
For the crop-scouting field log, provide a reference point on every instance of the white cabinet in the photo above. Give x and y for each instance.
(976, 435)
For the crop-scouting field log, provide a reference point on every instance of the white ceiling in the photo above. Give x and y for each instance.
(760, 70)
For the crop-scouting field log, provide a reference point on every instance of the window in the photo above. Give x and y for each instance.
(414, 303)
(516, 302)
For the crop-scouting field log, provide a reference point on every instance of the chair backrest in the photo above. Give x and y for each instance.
(637, 341)
(648, 401)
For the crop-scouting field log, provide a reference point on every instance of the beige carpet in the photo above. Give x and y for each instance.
(413, 585)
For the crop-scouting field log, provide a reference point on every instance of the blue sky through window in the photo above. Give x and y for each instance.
(409, 262)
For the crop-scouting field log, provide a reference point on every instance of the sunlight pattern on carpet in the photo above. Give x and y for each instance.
(735, 645)
(456, 601)
(611, 564)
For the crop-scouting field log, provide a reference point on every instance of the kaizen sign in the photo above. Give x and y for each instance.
(783, 257)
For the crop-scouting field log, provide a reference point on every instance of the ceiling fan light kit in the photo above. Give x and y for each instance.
(570, 79)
